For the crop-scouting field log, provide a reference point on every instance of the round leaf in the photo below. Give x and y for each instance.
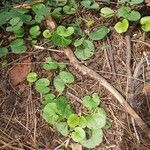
(49, 113)
(66, 77)
(94, 140)
(59, 84)
(62, 31)
(97, 120)
(82, 122)
(99, 34)
(145, 22)
(47, 34)
(3, 51)
(42, 82)
(62, 127)
(78, 134)
(32, 77)
(107, 12)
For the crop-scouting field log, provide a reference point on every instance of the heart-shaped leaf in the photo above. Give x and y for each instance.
(64, 32)
(129, 14)
(122, 26)
(89, 4)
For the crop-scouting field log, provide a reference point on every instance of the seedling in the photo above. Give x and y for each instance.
(145, 22)
(59, 113)
(122, 26)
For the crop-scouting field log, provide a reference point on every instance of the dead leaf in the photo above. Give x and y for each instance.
(146, 88)
(51, 23)
(19, 71)
(76, 146)
(148, 2)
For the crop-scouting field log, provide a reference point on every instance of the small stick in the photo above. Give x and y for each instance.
(86, 71)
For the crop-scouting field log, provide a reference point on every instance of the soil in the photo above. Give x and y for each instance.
(21, 123)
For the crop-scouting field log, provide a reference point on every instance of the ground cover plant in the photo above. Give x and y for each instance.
(60, 27)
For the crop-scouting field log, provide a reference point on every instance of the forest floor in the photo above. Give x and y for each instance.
(21, 124)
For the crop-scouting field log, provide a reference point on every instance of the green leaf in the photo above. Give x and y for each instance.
(91, 102)
(35, 31)
(82, 122)
(69, 10)
(107, 12)
(66, 77)
(41, 85)
(49, 113)
(3, 51)
(14, 21)
(64, 32)
(132, 2)
(73, 120)
(122, 26)
(49, 98)
(59, 84)
(78, 42)
(62, 127)
(78, 134)
(59, 40)
(47, 34)
(5, 16)
(99, 34)
(96, 120)
(41, 9)
(94, 140)
(64, 108)
(61, 2)
(145, 22)
(89, 4)
(129, 14)
(85, 51)
(17, 46)
(32, 77)
(50, 64)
